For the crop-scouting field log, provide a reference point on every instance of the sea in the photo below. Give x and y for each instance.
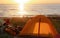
(7, 10)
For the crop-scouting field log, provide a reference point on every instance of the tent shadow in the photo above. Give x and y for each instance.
(36, 36)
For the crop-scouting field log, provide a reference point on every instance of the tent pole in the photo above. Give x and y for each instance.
(39, 27)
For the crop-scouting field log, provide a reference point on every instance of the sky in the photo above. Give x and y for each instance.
(32, 1)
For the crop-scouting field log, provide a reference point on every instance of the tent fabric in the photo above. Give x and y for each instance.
(38, 25)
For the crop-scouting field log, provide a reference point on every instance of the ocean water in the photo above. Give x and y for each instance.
(33, 9)
(45, 9)
(8, 9)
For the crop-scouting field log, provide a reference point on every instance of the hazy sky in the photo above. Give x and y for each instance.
(31, 1)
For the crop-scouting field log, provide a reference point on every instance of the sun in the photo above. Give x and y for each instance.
(21, 1)
(21, 6)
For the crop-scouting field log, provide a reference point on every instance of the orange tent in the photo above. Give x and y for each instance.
(39, 25)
